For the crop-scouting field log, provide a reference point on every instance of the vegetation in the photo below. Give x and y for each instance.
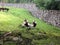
(48, 4)
(42, 34)
(16, 1)
(42, 4)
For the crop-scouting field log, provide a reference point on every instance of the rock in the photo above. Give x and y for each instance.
(15, 38)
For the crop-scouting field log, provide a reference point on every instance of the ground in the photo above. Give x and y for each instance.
(42, 34)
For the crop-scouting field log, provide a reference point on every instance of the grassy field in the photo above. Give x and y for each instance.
(11, 21)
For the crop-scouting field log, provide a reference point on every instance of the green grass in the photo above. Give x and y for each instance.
(10, 21)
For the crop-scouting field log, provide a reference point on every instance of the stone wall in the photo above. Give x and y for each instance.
(50, 16)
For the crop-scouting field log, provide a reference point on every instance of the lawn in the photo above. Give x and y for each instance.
(12, 20)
